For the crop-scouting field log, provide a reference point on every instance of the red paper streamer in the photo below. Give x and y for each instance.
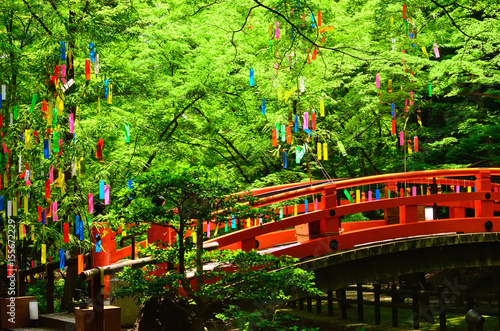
(44, 109)
(87, 69)
(39, 209)
(313, 119)
(288, 135)
(315, 52)
(415, 143)
(393, 126)
(66, 232)
(319, 19)
(100, 145)
(275, 139)
(47, 189)
(404, 11)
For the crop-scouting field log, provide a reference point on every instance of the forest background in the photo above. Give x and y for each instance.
(179, 93)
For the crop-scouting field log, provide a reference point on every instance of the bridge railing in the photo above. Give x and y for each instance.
(320, 216)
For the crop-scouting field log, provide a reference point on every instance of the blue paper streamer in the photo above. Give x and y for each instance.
(284, 161)
(1, 101)
(43, 217)
(62, 49)
(81, 229)
(305, 206)
(252, 80)
(98, 246)
(233, 222)
(393, 109)
(296, 127)
(101, 189)
(263, 106)
(312, 20)
(92, 52)
(46, 153)
(377, 194)
(62, 259)
(106, 82)
(2, 198)
(77, 225)
(131, 185)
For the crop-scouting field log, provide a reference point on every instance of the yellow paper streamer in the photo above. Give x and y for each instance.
(21, 234)
(14, 207)
(44, 253)
(295, 210)
(5, 181)
(425, 52)
(390, 85)
(59, 105)
(319, 151)
(110, 94)
(61, 182)
(27, 139)
(325, 152)
(322, 108)
(469, 189)
(32, 233)
(248, 223)
(358, 196)
(99, 105)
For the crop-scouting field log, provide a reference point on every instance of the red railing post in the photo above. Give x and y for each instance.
(330, 226)
(483, 207)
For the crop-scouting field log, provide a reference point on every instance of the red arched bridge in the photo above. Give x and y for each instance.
(312, 225)
(313, 212)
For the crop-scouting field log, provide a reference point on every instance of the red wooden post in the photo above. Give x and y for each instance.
(103, 258)
(329, 226)
(483, 207)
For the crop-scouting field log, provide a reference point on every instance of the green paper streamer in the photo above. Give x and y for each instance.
(348, 195)
(127, 132)
(283, 132)
(406, 24)
(430, 89)
(14, 110)
(54, 117)
(225, 226)
(56, 141)
(33, 103)
(341, 148)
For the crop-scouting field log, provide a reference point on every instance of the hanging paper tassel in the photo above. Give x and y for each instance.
(370, 195)
(275, 138)
(419, 119)
(348, 196)
(71, 121)
(263, 106)
(401, 138)
(100, 145)
(87, 69)
(33, 103)
(101, 189)
(295, 210)
(288, 135)
(91, 203)
(80, 264)
(377, 81)
(393, 110)
(208, 229)
(341, 148)
(284, 160)
(106, 195)
(436, 51)
(322, 108)
(424, 50)
(306, 205)
(127, 132)
(318, 150)
(252, 81)
(415, 143)
(233, 222)
(404, 11)
(98, 244)
(62, 259)
(109, 100)
(62, 50)
(414, 191)
(283, 132)
(358, 196)
(66, 232)
(47, 189)
(96, 64)
(325, 151)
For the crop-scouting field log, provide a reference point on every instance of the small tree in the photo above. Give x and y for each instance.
(235, 276)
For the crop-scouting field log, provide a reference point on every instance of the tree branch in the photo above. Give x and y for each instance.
(37, 18)
(443, 7)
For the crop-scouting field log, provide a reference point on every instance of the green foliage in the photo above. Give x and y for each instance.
(38, 289)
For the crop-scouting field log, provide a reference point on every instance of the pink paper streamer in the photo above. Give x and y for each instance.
(91, 203)
(276, 31)
(401, 138)
(106, 194)
(54, 211)
(436, 51)
(4, 148)
(458, 188)
(414, 191)
(208, 229)
(370, 195)
(411, 100)
(306, 120)
(316, 204)
(71, 123)
(377, 80)
(63, 73)
(60, 147)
